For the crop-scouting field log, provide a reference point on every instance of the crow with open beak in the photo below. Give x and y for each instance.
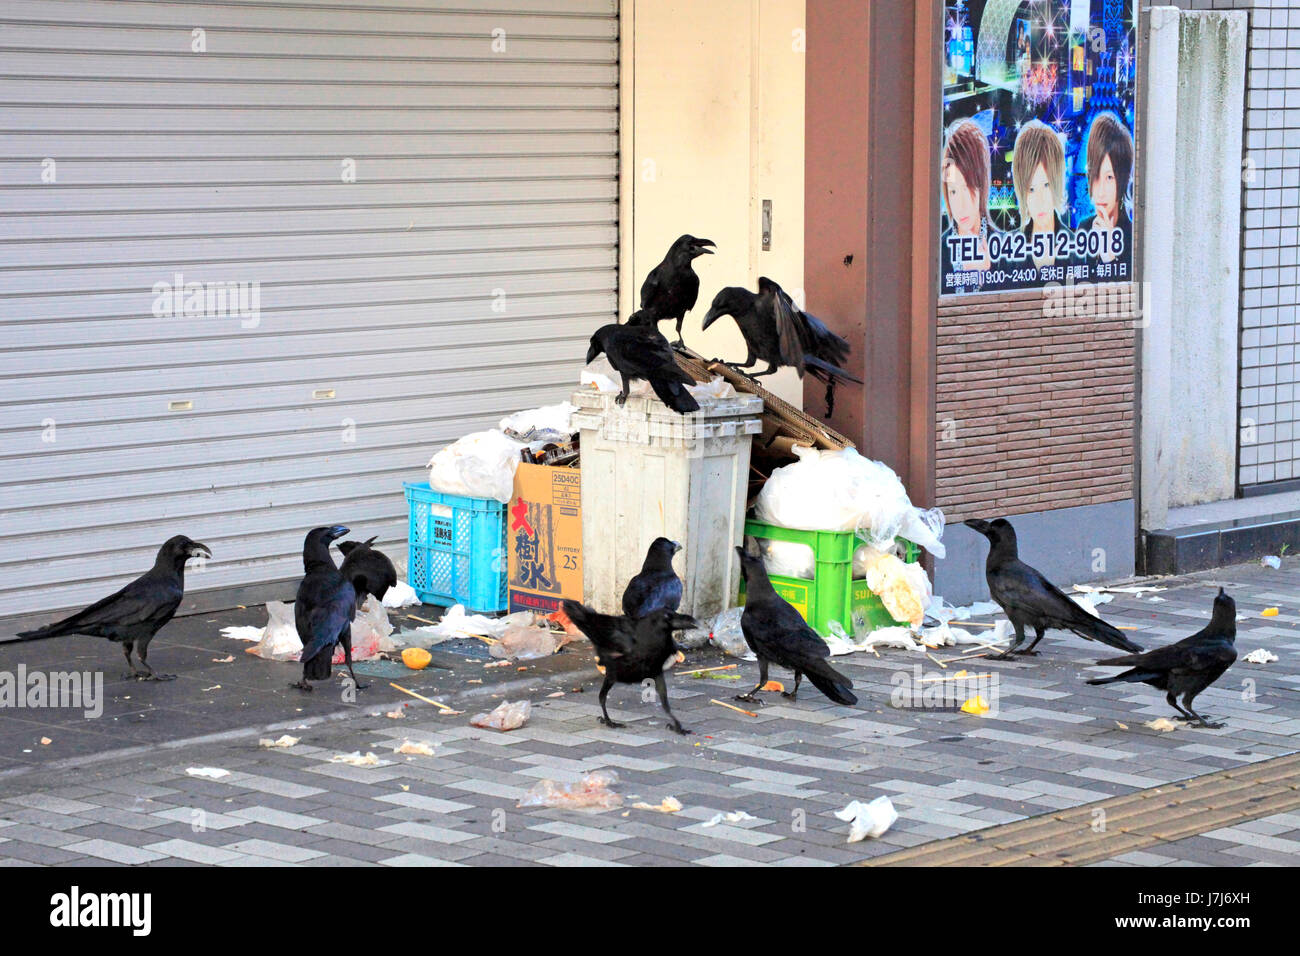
(671, 288)
(132, 616)
(782, 335)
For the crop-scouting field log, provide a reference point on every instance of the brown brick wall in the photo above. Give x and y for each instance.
(1033, 412)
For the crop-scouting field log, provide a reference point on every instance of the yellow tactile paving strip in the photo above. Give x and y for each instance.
(1099, 831)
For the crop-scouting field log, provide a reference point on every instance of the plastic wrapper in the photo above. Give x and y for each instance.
(727, 635)
(546, 424)
(480, 465)
(903, 588)
(600, 375)
(279, 640)
(506, 716)
(525, 642)
(693, 639)
(455, 623)
(591, 792)
(788, 559)
(371, 633)
(716, 387)
(400, 594)
(868, 819)
(842, 491)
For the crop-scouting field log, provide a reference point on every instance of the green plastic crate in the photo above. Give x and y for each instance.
(832, 594)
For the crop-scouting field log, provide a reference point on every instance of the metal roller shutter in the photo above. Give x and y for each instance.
(455, 280)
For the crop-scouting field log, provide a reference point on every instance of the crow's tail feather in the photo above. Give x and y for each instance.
(1095, 629)
(673, 393)
(832, 683)
(1134, 676)
(57, 629)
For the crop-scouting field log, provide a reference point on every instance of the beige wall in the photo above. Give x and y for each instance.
(712, 124)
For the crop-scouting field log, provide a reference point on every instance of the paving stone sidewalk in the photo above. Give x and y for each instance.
(1053, 742)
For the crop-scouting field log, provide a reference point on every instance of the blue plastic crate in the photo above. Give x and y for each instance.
(457, 549)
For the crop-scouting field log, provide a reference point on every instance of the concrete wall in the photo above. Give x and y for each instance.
(712, 107)
(1192, 217)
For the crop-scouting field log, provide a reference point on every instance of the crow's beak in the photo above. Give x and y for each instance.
(592, 353)
(676, 547)
(979, 524)
(338, 531)
(710, 317)
(699, 249)
(198, 550)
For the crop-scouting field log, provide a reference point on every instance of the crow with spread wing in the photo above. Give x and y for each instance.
(779, 333)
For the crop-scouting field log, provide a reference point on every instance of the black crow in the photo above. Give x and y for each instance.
(657, 587)
(324, 608)
(631, 651)
(133, 615)
(1030, 600)
(777, 332)
(638, 351)
(1187, 667)
(361, 560)
(776, 632)
(671, 288)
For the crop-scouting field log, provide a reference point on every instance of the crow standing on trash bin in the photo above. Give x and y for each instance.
(632, 651)
(780, 334)
(324, 608)
(370, 565)
(132, 616)
(1187, 667)
(671, 288)
(777, 633)
(1030, 600)
(640, 352)
(657, 587)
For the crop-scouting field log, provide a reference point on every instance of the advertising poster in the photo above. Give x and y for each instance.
(1037, 158)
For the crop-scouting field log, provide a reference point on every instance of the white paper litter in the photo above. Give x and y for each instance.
(735, 816)
(416, 747)
(1126, 589)
(716, 387)
(1162, 724)
(1260, 656)
(842, 491)
(480, 465)
(283, 742)
(210, 773)
(869, 819)
(601, 375)
(1088, 600)
(356, 759)
(455, 623)
(1271, 561)
(400, 594)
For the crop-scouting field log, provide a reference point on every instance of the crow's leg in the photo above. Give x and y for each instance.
(771, 370)
(1038, 636)
(794, 694)
(148, 674)
(346, 640)
(604, 692)
(1171, 700)
(830, 398)
(130, 665)
(1200, 721)
(1010, 652)
(661, 688)
(762, 679)
(627, 386)
(680, 341)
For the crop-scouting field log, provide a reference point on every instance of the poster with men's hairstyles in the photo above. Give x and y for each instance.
(1036, 158)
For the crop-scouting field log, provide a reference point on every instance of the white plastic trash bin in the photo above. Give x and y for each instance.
(648, 471)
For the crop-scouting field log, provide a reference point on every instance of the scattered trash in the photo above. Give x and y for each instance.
(1126, 589)
(443, 708)
(228, 659)
(1260, 656)
(204, 690)
(208, 773)
(528, 642)
(774, 685)
(591, 792)
(456, 623)
(1088, 599)
(739, 710)
(903, 588)
(869, 819)
(416, 658)
(506, 716)
(977, 705)
(420, 747)
(355, 759)
(842, 491)
(1121, 725)
(725, 633)
(1162, 724)
(284, 742)
(667, 805)
(400, 594)
(1271, 561)
(735, 816)
(558, 693)
(1269, 612)
(550, 423)
(46, 741)
(371, 633)
(398, 714)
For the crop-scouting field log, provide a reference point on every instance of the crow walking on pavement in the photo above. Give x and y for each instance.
(776, 632)
(631, 651)
(779, 333)
(132, 616)
(640, 352)
(657, 587)
(363, 561)
(1030, 600)
(1187, 667)
(324, 608)
(671, 288)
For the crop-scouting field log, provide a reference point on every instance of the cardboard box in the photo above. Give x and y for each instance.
(544, 538)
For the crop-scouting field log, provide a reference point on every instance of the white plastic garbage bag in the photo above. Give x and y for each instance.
(788, 559)
(903, 588)
(480, 465)
(280, 636)
(455, 623)
(400, 594)
(726, 634)
(842, 491)
(716, 387)
(371, 633)
(505, 716)
(550, 422)
(868, 819)
(601, 375)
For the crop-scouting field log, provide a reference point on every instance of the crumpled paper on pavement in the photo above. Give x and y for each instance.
(591, 792)
(1260, 656)
(868, 819)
